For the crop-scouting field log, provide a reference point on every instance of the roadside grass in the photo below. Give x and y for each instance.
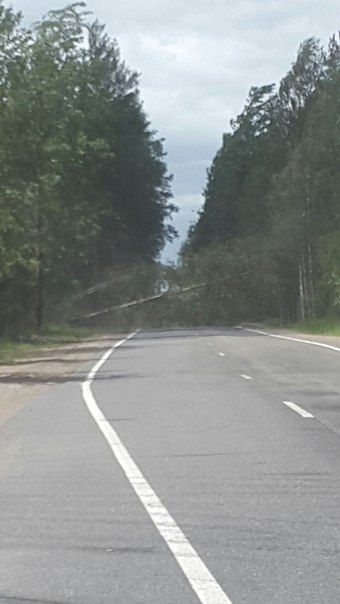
(325, 327)
(50, 337)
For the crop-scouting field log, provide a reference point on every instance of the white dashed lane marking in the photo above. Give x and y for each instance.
(305, 414)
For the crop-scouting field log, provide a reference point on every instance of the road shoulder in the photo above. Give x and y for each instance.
(22, 380)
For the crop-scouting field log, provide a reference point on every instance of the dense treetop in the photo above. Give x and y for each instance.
(83, 181)
(270, 226)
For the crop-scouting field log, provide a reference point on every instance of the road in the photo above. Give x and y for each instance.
(192, 466)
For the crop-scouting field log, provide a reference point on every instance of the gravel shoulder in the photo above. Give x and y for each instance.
(24, 379)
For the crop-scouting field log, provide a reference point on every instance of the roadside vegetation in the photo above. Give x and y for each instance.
(268, 237)
(51, 336)
(325, 327)
(84, 187)
(85, 196)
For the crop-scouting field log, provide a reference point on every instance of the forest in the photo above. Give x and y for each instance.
(267, 241)
(84, 187)
(86, 200)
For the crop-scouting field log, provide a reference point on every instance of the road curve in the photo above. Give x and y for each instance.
(207, 470)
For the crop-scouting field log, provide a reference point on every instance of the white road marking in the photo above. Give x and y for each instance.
(200, 578)
(221, 354)
(305, 414)
(245, 376)
(275, 335)
(209, 344)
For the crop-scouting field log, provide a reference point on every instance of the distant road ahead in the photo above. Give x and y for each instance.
(193, 466)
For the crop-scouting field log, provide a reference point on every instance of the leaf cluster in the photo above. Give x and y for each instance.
(84, 186)
(275, 183)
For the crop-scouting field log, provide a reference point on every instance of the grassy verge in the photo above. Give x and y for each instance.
(324, 327)
(50, 337)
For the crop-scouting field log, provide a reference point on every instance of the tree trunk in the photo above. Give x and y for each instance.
(39, 310)
(302, 293)
(311, 280)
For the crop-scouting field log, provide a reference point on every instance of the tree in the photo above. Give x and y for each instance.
(84, 182)
(275, 179)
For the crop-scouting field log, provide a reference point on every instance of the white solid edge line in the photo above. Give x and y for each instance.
(305, 414)
(200, 578)
(275, 335)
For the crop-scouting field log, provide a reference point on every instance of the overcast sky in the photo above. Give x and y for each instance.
(197, 61)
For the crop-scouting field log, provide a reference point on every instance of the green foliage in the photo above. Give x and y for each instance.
(326, 326)
(51, 336)
(83, 181)
(275, 182)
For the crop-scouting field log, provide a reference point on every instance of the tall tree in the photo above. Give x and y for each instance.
(84, 182)
(276, 179)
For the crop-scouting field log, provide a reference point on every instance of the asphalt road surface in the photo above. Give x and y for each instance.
(194, 466)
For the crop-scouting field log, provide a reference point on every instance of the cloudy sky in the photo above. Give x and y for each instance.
(197, 61)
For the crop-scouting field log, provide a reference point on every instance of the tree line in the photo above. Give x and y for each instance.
(84, 186)
(268, 237)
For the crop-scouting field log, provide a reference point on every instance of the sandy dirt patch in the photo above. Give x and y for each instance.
(24, 379)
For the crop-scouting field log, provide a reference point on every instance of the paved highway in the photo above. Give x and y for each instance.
(193, 466)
